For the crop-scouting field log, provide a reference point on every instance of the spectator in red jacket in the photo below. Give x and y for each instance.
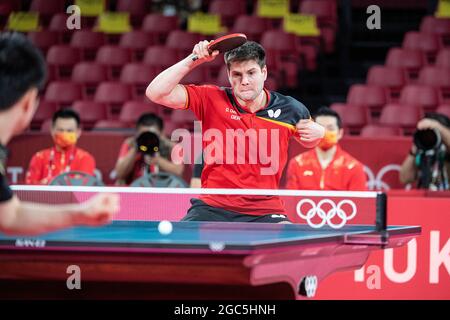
(327, 166)
(64, 156)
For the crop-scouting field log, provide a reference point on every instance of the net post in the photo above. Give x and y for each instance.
(381, 217)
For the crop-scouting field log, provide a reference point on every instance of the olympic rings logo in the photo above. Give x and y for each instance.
(326, 216)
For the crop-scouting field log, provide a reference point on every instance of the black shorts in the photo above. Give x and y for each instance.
(200, 211)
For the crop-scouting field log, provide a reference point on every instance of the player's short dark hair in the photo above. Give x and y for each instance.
(66, 114)
(22, 67)
(150, 119)
(325, 111)
(250, 50)
(439, 117)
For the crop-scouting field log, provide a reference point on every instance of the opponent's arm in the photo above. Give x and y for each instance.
(26, 218)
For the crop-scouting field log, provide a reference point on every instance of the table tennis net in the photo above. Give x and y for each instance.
(314, 208)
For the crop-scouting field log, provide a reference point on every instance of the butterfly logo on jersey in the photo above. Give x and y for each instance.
(275, 114)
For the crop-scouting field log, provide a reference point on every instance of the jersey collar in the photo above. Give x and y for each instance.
(242, 108)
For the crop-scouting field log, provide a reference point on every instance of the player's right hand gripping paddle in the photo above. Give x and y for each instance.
(225, 43)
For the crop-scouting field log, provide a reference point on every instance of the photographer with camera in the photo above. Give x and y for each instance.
(428, 162)
(147, 151)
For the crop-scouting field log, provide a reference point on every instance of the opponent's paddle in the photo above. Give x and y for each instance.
(225, 43)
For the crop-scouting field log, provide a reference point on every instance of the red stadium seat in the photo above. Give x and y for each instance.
(444, 109)
(63, 93)
(409, 59)
(159, 26)
(429, 43)
(136, 8)
(437, 77)
(374, 97)
(324, 10)
(353, 117)
(228, 10)
(252, 26)
(114, 94)
(113, 57)
(138, 75)
(196, 76)
(61, 59)
(110, 125)
(46, 126)
(90, 112)
(326, 15)
(439, 26)
(47, 9)
(44, 39)
(389, 77)
(443, 58)
(160, 57)
(58, 23)
(89, 75)
(405, 117)
(375, 131)
(88, 41)
(137, 42)
(8, 6)
(44, 111)
(426, 97)
(132, 110)
(183, 42)
(286, 54)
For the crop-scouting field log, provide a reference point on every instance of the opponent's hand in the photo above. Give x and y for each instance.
(98, 210)
(201, 51)
(310, 131)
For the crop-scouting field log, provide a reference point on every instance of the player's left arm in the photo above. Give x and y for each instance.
(309, 133)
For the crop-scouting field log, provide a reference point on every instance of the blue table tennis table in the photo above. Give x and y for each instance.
(197, 260)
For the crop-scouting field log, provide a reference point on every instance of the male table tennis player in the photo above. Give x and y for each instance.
(22, 73)
(245, 106)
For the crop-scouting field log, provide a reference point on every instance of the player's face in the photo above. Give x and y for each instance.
(330, 124)
(247, 79)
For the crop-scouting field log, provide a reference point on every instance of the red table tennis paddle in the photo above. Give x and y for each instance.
(226, 43)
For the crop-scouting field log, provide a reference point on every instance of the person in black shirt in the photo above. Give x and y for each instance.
(22, 74)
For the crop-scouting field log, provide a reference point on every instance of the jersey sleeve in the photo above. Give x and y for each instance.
(300, 112)
(197, 99)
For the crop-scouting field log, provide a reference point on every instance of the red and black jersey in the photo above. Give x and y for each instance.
(244, 150)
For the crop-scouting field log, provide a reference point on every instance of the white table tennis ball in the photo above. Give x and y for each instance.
(165, 227)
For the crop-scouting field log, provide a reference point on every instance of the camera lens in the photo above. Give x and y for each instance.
(427, 139)
(148, 143)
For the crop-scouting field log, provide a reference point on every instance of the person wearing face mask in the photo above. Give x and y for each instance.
(326, 167)
(64, 156)
(131, 164)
